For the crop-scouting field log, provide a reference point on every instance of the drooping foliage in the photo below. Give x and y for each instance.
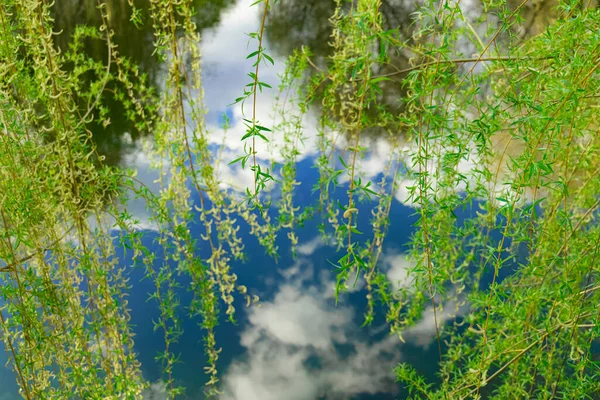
(487, 113)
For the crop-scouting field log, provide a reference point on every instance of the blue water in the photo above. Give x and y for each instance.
(298, 344)
(298, 338)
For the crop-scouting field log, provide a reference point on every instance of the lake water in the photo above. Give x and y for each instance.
(298, 344)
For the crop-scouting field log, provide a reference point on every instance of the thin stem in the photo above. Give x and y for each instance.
(255, 94)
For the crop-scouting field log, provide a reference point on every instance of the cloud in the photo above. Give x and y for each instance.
(308, 248)
(156, 391)
(397, 266)
(228, 41)
(423, 333)
(148, 176)
(300, 346)
(297, 319)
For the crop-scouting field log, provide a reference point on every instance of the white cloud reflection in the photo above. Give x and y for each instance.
(221, 49)
(300, 346)
(141, 162)
(423, 333)
(396, 267)
(308, 248)
(155, 391)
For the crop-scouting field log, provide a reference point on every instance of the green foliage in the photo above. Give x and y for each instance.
(508, 130)
(253, 128)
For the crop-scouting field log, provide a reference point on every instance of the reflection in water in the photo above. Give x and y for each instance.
(298, 345)
(537, 15)
(301, 346)
(297, 23)
(296, 331)
(397, 266)
(134, 43)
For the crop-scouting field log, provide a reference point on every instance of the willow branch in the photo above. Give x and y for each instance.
(10, 267)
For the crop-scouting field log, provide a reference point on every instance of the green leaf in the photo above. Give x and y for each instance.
(248, 134)
(263, 137)
(241, 158)
(269, 58)
(262, 128)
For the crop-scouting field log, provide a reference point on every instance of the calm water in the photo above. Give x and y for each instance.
(298, 344)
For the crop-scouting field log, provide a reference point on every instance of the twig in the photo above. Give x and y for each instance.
(310, 61)
(106, 76)
(11, 266)
(457, 61)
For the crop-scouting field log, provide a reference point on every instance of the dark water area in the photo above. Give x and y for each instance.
(298, 345)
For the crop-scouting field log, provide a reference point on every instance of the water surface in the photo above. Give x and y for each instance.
(298, 345)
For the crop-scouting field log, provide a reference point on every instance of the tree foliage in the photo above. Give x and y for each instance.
(490, 113)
